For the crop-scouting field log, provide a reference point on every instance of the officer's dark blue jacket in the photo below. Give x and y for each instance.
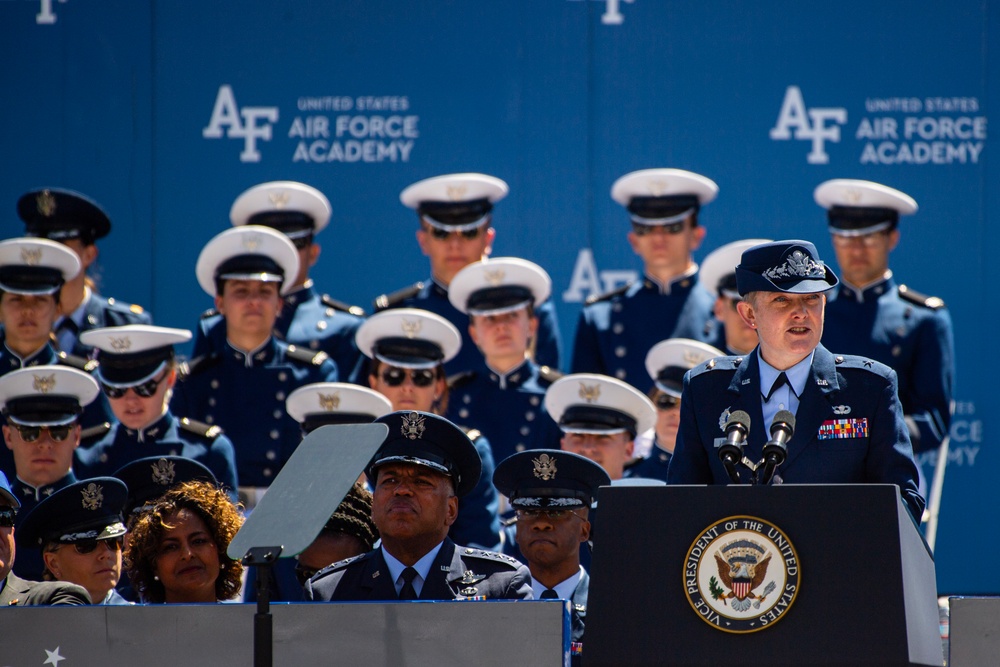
(911, 334)
(103, 312)
(851, 395)
(29, 564)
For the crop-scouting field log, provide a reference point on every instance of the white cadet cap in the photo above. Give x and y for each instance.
(294, 208)
(669, 360)
(856, 207)
(717, 272)
(43, 395)
(250, 252)
(36, 265)
(591, 403)
(663, 196)
(455, 202)
(408, 338)
(499, 285)
(133, 353)
(320, 403)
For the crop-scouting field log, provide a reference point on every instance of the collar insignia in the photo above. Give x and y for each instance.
(545, 467)
(413, 426)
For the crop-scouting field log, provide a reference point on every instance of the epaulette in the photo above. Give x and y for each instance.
(187, 368)
(131, 307)
(549, 374)
(853, 361)
(211, 312)
(330, 302)
(340, 564)
(201, 429)
(912, 296)
(717, 364)
(460, 379)
(80, 363)
(390, 300)
(306, 355)
(473, 433)
(95, 431)
(470, 552)
(608, 295)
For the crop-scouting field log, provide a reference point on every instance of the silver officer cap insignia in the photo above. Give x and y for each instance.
(163, 472)
(413, 426)
(799, 265)
(93, 497)
(545, 467)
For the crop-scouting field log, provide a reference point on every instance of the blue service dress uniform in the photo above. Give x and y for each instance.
(478, 523)
(507, 407)
(308, 319)
(849, 425)
(911, 333)
(28, 564)
(616, 330)
(578, 617)
(457, 573)
(433, 297)
(99, 312)
(245, 395)
(653, 466)
(167, 436)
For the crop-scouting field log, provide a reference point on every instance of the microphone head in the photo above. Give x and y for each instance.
(739, 417)
(783, 417)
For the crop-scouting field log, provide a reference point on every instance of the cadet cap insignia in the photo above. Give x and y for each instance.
(657, 187)
(590, 393)
(31, 256)
(251, 242)
(456, 192)
(278, 199)
(43, 384)
(413, 426)
(545, 467)
(494, 277)
(93, 497)
(329, 402)
(411, 328)
(46, 203)
(122, 344)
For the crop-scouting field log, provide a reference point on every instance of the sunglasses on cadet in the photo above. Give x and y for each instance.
(666, 401)
(467, 234)
(32, 433)
(7, 516)
(643, 230)
(421, 377)
(144, 390)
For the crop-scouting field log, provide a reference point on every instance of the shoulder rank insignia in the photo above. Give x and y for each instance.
(608, 295)
(393, 298)
(198, 428)
(912, 296)
(330, 302)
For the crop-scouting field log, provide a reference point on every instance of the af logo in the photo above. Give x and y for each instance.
(612, 11)
(45, 15)
(248, 123)
(741, 574)
(810, 124)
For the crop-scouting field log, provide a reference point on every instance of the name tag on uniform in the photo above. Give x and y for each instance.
(834, 429)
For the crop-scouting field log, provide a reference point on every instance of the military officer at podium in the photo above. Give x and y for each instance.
(872, 315)
(77, 222)
(551, 492)
(718, 276)
(425, 464)
(242, 386)
(847, 420)
(456, 229)
(616, 330)
(308, 318)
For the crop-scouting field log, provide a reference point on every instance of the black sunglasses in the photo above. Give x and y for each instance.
(467, 234)
(32, 433)
(643, 230)
(84, 547)
(422, 377)
(7, 516)
(666, 401)
(143, 390)
(303, 573)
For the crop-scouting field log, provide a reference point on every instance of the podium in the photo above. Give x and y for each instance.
(776, 575)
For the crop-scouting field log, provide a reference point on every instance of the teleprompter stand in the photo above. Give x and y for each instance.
(298, 504)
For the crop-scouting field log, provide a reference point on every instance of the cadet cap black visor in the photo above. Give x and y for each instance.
(408, 352)
(20, 279)
(861, 220)
(499, 299)
(125, 370)
(41, 410)
(293, 224)
(662, 210)
(249, 267)
(596, 419)
(671, 379)
(455, 214)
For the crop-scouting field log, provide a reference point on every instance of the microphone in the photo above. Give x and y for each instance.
(776, 449)
(731, 451)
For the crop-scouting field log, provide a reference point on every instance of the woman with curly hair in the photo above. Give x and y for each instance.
(177, 548)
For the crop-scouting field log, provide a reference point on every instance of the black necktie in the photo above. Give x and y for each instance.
(782, 380)
(549, 594)
(407, 592)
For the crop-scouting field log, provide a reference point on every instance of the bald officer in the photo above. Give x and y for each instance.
(616, 330)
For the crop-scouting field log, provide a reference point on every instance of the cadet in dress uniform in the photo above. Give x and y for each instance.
(308, 319)
(718, 276)
(849, 424)
(551, 492)
(77, 222)
(667, 363)
(42, 406)
(242, 386)
(15, 591)
(137, 373)
(505, 400)
(871, 315)
(408, 349)
(616, 330)
(80, 530)
(425, 464)
(456, 229)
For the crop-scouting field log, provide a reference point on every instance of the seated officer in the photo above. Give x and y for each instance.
(308, 319)
(80, 530)
(425, 464)
(15, 591)
(149, 478)
(242, 386)
(616, 330)
(42, 406)
(137, 373)
(718, 276)
(667, 363)
(871, 315)
(456, 229)
(551, 492)
(505, 400)
(849, 423)
(77, 222)
(600, 418)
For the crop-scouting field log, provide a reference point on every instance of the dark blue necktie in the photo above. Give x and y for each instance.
(408, 592)
(549, 594)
